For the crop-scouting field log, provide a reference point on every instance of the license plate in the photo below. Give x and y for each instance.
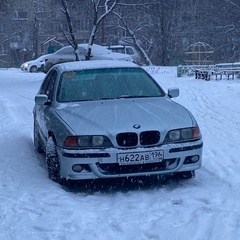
(140, 157)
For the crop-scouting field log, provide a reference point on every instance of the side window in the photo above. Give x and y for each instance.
(82, 51)
(68, 50)
(129, 51)
(48, 84)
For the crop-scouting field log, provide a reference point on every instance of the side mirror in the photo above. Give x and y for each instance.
(173, 92)
(41, 99)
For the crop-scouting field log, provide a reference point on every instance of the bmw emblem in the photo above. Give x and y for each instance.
(136, 126)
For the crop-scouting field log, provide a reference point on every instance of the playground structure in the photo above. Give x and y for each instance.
(199, 63)
(199, 53)
(206, 72)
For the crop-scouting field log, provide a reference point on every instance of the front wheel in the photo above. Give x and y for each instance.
(33, 69)
(52, 162)
(36, 140)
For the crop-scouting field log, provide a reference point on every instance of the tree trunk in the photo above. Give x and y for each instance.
(73, 41)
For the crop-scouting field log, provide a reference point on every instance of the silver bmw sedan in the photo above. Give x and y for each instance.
(111, 119)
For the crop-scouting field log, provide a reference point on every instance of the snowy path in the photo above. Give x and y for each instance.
(204, 208)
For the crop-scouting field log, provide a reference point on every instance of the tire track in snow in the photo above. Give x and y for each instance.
(204, 208)
(7, 118)
(215, 115)
(219, 115)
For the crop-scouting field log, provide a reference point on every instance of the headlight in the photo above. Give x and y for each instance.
(25, 65)
(184, 134)
(88, 141)
(97, 140)
(174, 135)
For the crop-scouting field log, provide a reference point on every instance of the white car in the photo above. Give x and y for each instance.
(130, 50)
(66, 54)
(34, 65)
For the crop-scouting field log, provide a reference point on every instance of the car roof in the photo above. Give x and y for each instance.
(94, 64)
(43, 56)
(95, 48)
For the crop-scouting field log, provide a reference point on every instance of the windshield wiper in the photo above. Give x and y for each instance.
(133, 96)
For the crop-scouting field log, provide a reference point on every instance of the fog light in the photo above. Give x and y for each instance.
(195, 158)
(77, 168)
(191, 159)
(171, 163)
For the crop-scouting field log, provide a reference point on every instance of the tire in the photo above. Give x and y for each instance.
(33, 69)
(184, 175)
(36, 140)
(52, 162)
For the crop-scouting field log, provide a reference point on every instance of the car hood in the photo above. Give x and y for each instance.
(120, 115)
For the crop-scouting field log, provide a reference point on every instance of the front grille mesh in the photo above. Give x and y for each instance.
(149, 137)
(131, 139)
(115, 168)
(128, 139)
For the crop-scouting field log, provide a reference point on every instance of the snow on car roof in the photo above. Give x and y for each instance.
(97, 49)
(93, 64)
(117, 46)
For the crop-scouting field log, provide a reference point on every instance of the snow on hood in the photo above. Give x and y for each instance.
(119, 115)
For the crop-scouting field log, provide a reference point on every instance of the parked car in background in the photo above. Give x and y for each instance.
(130, 50)
(110, 119)
(66, 54)
(34, 65)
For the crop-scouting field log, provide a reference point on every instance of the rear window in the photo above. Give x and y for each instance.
(119, 50)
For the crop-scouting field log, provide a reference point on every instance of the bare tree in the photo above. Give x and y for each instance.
(102, 8)
(3, 5)
(163, 29)
(73, 40)
(133, 22)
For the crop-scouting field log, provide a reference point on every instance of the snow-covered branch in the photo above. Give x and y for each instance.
(108, 6)
(234, 4)
(132, 34)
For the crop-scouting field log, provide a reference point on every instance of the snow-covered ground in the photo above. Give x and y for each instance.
(204, 208)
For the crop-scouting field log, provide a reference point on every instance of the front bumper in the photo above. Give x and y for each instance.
(103, 163)
(24, 69)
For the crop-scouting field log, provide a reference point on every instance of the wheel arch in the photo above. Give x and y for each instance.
(51, 134)
(33, 67)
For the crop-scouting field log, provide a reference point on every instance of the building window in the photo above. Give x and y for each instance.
(82, 25)
(41, 28)
(18, 15)
(40, 7)
(2, 50)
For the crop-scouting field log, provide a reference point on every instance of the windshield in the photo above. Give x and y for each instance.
(96, 84)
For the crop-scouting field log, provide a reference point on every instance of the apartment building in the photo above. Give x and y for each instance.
(29, 28)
